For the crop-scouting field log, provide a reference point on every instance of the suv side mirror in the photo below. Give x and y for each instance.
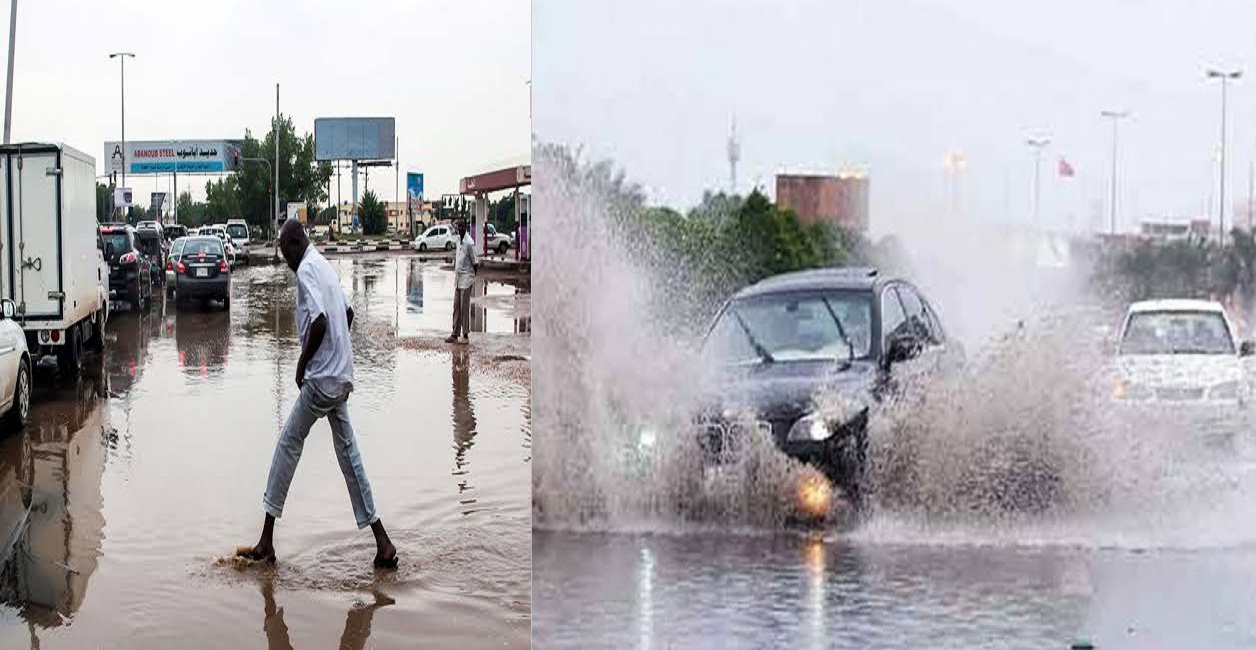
(1247, 348)
(8, 308)
(901, 347)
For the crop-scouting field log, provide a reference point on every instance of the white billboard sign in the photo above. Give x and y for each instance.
(355, 138)
(166, 156)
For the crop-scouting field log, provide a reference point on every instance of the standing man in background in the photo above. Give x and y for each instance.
(465, 264)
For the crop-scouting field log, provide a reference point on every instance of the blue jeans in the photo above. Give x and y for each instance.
(311, 405)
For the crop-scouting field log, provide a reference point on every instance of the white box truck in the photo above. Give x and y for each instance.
(49, 249)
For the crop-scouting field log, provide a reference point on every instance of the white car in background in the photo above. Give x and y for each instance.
(436, 238)
(497, 241)
(1183, 355)
(238, 230)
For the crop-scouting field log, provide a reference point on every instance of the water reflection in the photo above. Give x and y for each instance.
(357, 622)
(464, 423)
(61, 455)
(128, 348)
(203, 341)
(414, 286)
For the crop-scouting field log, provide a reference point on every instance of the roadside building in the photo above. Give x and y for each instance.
(840, 200)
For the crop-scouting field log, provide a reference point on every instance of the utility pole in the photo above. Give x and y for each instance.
(8, 92)
(274, 218)
(1225, 77)
(1115, 116)
(1038, 143)
(122, 56)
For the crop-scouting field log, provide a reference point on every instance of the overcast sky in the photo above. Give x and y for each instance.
(891, 85)
(452, 72)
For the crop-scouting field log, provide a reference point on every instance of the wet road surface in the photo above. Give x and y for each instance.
(122, 502)
(796, 591)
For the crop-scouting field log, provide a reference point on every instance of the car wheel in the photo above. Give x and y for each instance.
(70, 356)
(501, 248)
(98, 333)
(422, 247)
(20, 412)
(226, 302)
(449, 246)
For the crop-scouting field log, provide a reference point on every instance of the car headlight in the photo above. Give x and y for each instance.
(646, 439)
(1123, 389)
(1225, 390)
(810, 428)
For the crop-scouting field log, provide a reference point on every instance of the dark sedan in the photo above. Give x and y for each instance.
(801, 358)
(130, 270)
(201, 271)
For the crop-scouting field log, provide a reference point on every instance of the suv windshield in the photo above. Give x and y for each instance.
(792, 327)
(1177, 332)
(238, 231)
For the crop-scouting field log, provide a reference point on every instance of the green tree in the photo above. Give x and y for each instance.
(191, 213)
(104, 203)
(371, 211)
(222, 199)
(301, 178)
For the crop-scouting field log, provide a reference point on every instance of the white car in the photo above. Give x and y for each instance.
(436, 238)
(238, 230)
(15, 369)
(1182, 354)
(499, 242)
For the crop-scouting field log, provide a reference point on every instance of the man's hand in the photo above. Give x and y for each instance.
(349, 316)
(300, 375)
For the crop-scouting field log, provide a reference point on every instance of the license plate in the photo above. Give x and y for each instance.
(202, 273)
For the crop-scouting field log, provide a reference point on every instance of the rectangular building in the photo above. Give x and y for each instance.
(841, 200)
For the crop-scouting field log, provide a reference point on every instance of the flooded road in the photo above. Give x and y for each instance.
(122, 502)
(796, 591)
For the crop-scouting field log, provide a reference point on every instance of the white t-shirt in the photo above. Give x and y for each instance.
(319, 292)
(464, 261)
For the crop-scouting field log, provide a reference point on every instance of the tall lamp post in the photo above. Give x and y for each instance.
(122, 56)
(8, 89)
(1115, 116)
(1038, 143)
(1225, 76)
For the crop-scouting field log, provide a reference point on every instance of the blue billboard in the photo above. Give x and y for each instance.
(414, 191)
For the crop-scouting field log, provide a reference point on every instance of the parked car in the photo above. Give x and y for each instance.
(202, 271)
(499, 242)
(238, 230)
(176, 250)
(776, 345)
(130, 272)
(436, 238)
(15, 369)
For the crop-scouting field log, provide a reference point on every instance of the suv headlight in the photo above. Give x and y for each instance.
(810, 428)
(1226, 390)
(1123, 389)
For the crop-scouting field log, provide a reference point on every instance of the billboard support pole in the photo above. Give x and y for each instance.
(353, 209)
(274, 219)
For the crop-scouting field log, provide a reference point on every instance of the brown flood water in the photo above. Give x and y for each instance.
(122, 502)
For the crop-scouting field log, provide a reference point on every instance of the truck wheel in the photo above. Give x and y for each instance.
(501, 248)
(70, 356)
(19, 414)
(98, 334)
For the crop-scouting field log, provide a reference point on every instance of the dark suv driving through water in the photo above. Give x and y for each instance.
(801, 357)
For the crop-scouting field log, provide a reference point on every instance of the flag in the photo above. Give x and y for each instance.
(1066, 170)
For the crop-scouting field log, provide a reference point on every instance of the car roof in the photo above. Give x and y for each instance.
(1176, 305)
(846, 277)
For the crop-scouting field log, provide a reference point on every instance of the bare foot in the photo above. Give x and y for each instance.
(259, 553)
(386, 556)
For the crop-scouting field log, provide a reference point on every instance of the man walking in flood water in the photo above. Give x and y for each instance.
(465, 264)
(325, 379)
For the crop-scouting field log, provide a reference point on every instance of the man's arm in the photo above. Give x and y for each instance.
(349, 316)
(318, 329)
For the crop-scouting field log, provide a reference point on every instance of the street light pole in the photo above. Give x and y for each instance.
(122, 56)
(1225, 77)
(1038, 143)
(1115, 116)
(8, 92)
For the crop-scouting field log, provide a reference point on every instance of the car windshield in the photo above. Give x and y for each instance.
(120, 242)
(1177, 332)
(199, 246)
(792, 327)
(238, 232)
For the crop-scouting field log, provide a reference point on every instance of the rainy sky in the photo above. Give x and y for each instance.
(891, 86)
(452, 72)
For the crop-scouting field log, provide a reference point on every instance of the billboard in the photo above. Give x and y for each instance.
(355, 138)
(296, 210)
(122, 197)
(414, 192)
(166, 156)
